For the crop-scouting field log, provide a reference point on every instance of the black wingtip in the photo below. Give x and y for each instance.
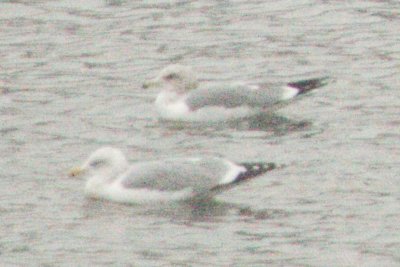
(253, 170)
(305, 86)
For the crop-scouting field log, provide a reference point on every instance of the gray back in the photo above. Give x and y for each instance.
(231, 97)
(172, 175)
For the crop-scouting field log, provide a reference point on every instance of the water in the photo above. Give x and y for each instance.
(70, 82)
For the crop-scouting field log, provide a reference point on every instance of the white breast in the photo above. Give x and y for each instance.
(171, 105)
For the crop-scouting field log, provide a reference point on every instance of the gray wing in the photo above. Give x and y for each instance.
(173, 175)
(234, 96)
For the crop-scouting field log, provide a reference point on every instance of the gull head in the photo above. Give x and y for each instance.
(107, 161)
(174, 77)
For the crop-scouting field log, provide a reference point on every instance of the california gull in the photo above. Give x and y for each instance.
(182, 99)
(110, 177)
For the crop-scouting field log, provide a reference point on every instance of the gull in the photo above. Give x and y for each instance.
(183, 99)
(110, 177)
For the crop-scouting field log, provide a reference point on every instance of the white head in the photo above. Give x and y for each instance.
(106, 162)
(174, 77)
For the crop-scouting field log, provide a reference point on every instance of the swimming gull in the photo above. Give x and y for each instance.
(110, 177)
(182, 99)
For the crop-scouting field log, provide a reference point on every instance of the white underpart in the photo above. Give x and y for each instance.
(232, 174)
(118, 193)
(289, 92)
(172, 106)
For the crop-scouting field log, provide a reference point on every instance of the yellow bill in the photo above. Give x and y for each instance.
(76, 171)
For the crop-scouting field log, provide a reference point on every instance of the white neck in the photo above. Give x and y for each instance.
(167, 97)
(171, 105)
(98, 184)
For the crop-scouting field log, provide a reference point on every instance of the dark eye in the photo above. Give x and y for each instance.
(171, 76)
(96, 163)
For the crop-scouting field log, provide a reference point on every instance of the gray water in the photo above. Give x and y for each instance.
(70, 82)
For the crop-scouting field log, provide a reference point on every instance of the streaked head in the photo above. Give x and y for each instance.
(107, 160)
(177, 77)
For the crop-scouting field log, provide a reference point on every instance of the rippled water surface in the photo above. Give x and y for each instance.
(70, 82)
